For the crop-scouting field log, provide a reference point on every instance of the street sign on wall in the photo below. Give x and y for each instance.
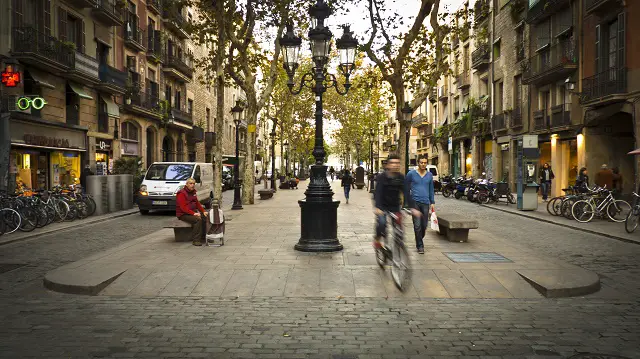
(450, 144)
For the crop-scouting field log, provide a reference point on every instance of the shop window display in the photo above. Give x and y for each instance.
(65, 168)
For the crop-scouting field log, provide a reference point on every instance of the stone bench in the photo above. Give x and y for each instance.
(181, 229)
(455, 227)
(265, 193)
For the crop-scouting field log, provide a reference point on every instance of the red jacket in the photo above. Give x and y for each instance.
(187, 203)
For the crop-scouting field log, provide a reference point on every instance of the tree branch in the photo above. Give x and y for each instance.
(425, 8)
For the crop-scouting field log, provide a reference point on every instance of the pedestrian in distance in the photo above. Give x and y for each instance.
(546, 176)
(390, 186)
(582, 182)
(332, 173)
(189, 209)
(419, 184)
(346, 182)
(604, 177)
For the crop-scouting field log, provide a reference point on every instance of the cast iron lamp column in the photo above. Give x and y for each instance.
(273, 156)
(237, 118)
(286, 157)
(373, 176)
(319, 211)
(406, 111)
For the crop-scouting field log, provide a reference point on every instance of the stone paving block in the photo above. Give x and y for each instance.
(271, 283)
(212, 283)
(126, 282)
(336, 283)
(303, 283)
(428, 285)
(184, 282)
(486, 284)
(562, 282)
(515, 284)
(154, 283)
(368, 283)
(241, 283)
(456, 284)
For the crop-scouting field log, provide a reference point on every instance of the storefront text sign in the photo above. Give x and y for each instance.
(46, 141)
(103, 145)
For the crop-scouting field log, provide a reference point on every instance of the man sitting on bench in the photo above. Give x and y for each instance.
(189, 209)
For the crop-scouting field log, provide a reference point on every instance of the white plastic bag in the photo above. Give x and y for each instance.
(434, 222)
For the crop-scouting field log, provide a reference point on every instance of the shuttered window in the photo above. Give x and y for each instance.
(62, 24)
(18, 12)
(621, 41)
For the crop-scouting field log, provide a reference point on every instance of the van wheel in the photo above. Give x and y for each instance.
(144, 212)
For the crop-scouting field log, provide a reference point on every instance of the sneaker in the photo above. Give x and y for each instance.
(377, 244)
(421, 250)
(347, 200)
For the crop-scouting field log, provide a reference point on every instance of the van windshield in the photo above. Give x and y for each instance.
(169, 172)
(433, 171)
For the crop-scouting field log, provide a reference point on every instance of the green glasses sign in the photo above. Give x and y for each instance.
(24, 103)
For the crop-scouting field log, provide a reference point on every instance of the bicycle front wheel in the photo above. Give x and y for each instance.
(11, 218)
(618, 210)
(400, 272)
(631, 223)
(582, 211)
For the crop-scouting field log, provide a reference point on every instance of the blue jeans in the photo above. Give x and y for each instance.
(420, 223)
(347, 189)
(545, 186)
(381, 225)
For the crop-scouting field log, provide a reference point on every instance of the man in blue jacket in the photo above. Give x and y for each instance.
(419, 183)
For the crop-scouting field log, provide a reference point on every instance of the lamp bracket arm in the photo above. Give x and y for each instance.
(331, 81)
(306, 81)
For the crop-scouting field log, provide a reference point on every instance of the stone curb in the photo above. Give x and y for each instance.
(562, 283)
(621, 239)
(71, 225)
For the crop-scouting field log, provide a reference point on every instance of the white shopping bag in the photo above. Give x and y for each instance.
(434, 222)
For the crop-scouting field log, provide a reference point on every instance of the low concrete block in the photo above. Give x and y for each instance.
(558, 283)
(89, 281)
(265, 193)
(455, 227)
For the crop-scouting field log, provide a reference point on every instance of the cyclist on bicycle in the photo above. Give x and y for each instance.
(389, 188)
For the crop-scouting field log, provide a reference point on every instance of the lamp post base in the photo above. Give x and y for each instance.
(237, 201)
(319, 215)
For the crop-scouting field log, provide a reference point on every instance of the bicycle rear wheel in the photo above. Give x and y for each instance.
(400, 269)
(91, 206)
(11, 219)
(582, 211)
(618, 210)
(631, 223)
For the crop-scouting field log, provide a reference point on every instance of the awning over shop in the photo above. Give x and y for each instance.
(39, 79)
(79, 91)
(112, 109)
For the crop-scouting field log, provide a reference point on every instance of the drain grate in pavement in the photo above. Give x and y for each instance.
(476, 257)
(6, 267)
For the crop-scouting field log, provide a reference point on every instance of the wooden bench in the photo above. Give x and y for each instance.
(455, 227)
(265, 193)
(181, 229)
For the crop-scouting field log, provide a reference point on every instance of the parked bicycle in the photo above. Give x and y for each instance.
(601, 203)
(631, 222)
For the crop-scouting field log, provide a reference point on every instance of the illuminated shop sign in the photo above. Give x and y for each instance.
(23, 103)
(9, 77)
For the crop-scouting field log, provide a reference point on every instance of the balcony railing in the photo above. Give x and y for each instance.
(481, 11)
(611, 82)
(426, 131)
(561, 115)
(464, 80)
(542, 9)
(551, 63)
(134, 36)
(154, 6)
(143, 99)
(498, 122)
(109, 12)
(40, 48)
(85, 66)
(540, 120)
(182, 116)
(180, 63)
(480, 56)
(154, 45)
(113, 77)
(516, 117)
(174, 20)
(520, 54)
(443, 93)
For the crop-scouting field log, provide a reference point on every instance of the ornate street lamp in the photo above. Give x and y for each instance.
(319, 227)
(407, 111)
(372, 174)
(237, 119)
(286, 157)
(273, 156)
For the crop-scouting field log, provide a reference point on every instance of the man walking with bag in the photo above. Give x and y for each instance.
(419, 184)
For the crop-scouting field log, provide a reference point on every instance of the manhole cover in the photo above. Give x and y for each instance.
(477, 257)
(6, 267)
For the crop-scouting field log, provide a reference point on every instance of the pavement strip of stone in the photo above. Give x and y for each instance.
(258, 260)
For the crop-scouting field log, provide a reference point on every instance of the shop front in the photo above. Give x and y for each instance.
(43, 156)
(104, 157)
(560, 151)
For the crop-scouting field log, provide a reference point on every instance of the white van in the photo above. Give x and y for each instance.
(164, 179)
(434, 171)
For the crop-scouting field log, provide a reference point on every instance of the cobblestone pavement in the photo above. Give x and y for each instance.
(38, 323)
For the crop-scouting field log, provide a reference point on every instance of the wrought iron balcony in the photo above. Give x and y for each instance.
(84, 69)
(443, 93)
(516, 117)
(178, 66)
(41, 50)
(154, 6)
(182, 116)
(480, 57)
(599, 6)
(542, 9)
(551, 63)
(142, 102)
(540, 120)
(134, 36)
(561, 115)
(464, 80)
(112, 80)
(604, 85)
(109, 12)
(425, 130)
(498, 122)
(481, 11)
(174, 21)
(154, 46)
(82, 4)
(520, 52)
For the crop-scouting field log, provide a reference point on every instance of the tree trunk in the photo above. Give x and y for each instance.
(248, 195)
(398, 91)
(219, 121)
